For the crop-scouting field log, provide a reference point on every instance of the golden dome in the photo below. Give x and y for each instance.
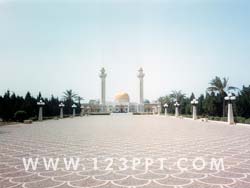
(121, 97)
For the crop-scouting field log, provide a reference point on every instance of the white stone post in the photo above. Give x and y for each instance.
(74, 110)
(82, 110)
(61, 105)
(40, 113)
(103, 76)
(166, 109)
(40, 116)
(141, 76)
(230, 116)
(194, 112)
(176, 109)
(194, 103)
(159, 109)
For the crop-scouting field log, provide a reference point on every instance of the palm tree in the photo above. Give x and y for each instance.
(68, 95)
(177, 95)
(220, 86)
(79, 99)
(165, 99)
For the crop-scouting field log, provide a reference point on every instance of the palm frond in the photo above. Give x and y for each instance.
(212, 89)
(225, 82)
(232, 88)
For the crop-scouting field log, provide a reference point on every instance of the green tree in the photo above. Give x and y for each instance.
(220, 86)
(30, 105)
(69, 98)
(79, 99)
(210, 104)
(177, 95)
(243, 102)
(1, 107)
(6, 106)
(181, 98)
(69, 95)
(52, 106)
(200, 106)
(187, 104)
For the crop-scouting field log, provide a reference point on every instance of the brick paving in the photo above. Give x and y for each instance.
(125, 136)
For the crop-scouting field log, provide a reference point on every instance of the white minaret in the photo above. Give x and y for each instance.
(141, 76)
(103, 76)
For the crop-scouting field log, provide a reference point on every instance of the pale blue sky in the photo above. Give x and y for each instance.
(51, 46)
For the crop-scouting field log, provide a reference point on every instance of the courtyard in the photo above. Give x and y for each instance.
(122, 136)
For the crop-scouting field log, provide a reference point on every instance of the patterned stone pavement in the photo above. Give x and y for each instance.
(125, 136)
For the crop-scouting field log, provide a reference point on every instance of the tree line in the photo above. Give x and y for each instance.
(212, 104)
(12, 104)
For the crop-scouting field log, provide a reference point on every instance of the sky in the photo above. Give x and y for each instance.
(53, 45)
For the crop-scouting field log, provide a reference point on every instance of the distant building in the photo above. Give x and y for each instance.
(121, 103)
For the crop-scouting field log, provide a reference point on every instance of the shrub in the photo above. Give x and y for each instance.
(239, 119)
(223, 118)
(216, 118)
(20, 116)
(247, 121)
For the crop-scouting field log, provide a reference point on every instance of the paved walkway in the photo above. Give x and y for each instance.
(125, 136)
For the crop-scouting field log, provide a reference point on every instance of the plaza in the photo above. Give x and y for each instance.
(125, 136)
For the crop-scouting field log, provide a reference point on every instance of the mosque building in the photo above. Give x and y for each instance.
(122, 103)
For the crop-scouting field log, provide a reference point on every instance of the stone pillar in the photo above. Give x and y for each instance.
(61, 113)
(74, 110)
(230, 116)
(40, 113)
(61, 105)
(159, 109)
(176, 111)
(103, 76)
(194, 103)
(141, 76)
(194, 112)
(165, 109)
(82, 111)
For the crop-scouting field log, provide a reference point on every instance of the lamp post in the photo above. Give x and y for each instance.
(61, 105)
(230, 115)
(194, 103)
(159, 109)
(40, 113)
(74, 110)
(176, 104)
(82, 110)
(165, 109)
